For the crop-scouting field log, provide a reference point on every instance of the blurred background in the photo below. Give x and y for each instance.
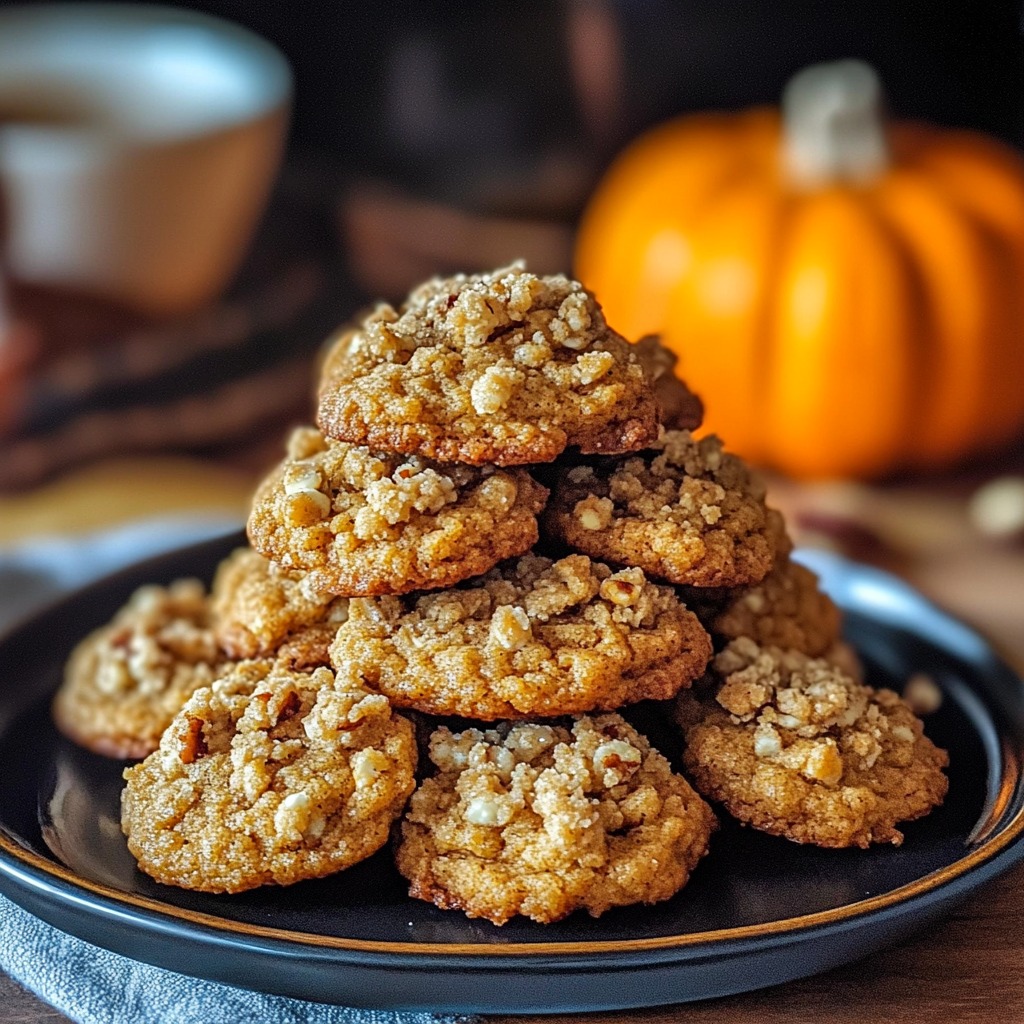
(181, 235)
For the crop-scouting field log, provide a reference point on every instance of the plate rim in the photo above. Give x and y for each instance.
(34, 878)
(1006, 840)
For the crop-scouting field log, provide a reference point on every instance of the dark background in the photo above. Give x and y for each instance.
(433, 95)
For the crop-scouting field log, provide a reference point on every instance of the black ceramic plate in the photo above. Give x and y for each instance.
(758, 911)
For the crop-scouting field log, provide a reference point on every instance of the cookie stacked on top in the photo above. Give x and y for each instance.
(406, 555)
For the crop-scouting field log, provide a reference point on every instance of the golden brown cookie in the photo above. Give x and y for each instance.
(125, 682)
(269, 776)
(505, 368)
(685, 511)
(360, 523)
(678, 407)
(262, 611)
(536, 820)
(795, 747)
(786, 610)
(531, 638)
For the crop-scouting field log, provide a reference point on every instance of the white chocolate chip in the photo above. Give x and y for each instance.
(367, 765)
(767, 742)
(593, 513)
(293, 814)
(482, 810)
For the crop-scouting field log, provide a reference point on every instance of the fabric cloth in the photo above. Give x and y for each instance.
(93, 986)
(89, 984)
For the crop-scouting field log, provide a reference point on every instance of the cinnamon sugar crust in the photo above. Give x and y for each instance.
(504, 368)
(796, 747)
(125, 682)
(541, 820)
(262, 611)
(268, 777)
(356, 522)
(685, 511)
(531, 638)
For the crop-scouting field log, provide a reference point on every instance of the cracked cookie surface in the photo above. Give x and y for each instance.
(362, 523)
(260, 611)
(796, 747)
(684, 511)
(530, 638)
(125, 681)
(268, 776)
(505, 368)
(540, 820)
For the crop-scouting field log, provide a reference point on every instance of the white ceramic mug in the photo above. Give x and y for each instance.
(138, 145)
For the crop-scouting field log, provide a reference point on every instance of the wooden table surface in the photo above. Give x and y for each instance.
(967, 968)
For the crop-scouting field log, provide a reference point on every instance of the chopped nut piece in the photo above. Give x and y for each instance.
(619, 591)
(494, 388)
(193, 745)
(304, 507)
(593, 366)
(615, 761)
(510, 627)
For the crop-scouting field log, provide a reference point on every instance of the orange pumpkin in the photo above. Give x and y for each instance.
(847, 296)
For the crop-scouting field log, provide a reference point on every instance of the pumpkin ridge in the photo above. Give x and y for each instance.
(708, 322)
(950, 350)
(766, 353)
(842, 317)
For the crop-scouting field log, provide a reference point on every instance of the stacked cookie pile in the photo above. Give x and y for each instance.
(502, 516)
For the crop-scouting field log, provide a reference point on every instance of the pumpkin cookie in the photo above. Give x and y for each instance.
(269, 776)
(360, 523)
(795, 747)
(786, 610)
(505, 368)
(685, 511)
(262, 611)
(125, 682)
(530, 638)
(536, 820)
(678, 407)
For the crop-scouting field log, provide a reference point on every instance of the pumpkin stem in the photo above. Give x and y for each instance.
(832, 125)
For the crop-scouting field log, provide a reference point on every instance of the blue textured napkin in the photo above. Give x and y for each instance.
(89, 984)
(93, 986)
